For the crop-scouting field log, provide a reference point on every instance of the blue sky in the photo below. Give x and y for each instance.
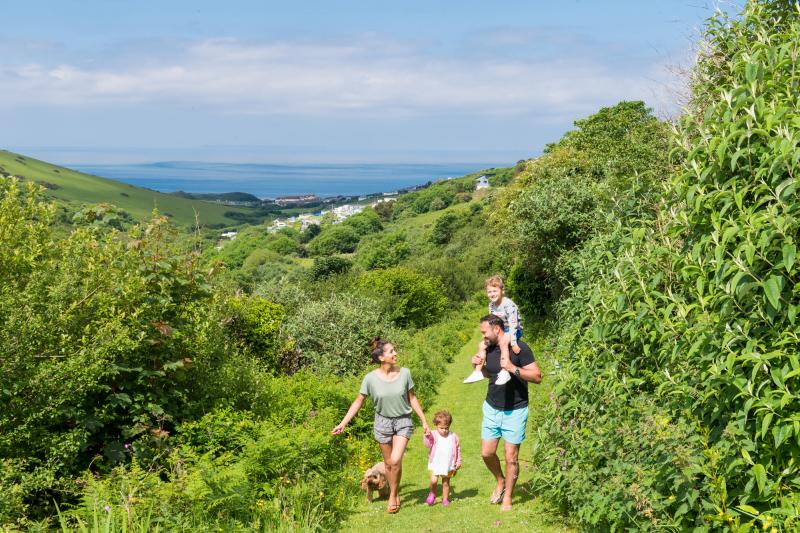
(329, 81)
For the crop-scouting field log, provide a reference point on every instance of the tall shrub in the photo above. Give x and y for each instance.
(676, 405)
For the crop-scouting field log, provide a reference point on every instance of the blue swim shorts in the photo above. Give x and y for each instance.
(510, 425)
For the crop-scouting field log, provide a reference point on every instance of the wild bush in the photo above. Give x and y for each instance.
(328, 266)
(257, 322)
(283, 245)
(383, 250)
(339, 239)
(310, 232)
(607, 167)
(411, 298)
(365, 222)
(444, 227)
(106, 339)
(331, 336)
(287, 475)
(676, 406)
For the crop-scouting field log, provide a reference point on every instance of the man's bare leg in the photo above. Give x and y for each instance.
(512, 473)
(489, 454)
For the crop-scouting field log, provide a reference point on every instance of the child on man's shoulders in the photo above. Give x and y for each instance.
(505, 308)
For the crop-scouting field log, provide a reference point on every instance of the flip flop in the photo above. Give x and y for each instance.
(392, 509)
(497, 498)
(505, 508)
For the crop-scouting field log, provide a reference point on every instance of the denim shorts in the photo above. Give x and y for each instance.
(387, 427)
(509, 425)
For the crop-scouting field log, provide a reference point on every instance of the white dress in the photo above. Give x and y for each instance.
(442, 462)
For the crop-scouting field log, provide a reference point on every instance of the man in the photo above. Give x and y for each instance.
(505, 411)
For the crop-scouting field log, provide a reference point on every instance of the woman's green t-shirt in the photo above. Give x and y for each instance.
(390, 398)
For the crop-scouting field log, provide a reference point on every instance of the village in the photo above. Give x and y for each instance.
(339, 213)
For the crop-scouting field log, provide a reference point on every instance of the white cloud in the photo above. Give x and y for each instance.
(369, 76)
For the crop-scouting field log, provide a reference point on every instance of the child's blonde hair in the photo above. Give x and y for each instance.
(495, 281)
(443, 417)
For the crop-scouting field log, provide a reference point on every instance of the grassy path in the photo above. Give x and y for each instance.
(470, 509)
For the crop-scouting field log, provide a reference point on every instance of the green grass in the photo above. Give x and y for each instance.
(74, 189)
(472, 487)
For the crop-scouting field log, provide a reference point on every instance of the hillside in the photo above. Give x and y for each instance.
(72, 189)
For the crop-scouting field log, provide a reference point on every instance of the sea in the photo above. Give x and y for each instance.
(273, 180)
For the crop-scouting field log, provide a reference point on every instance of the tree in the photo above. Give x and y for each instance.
(337, 239)
(365, 222)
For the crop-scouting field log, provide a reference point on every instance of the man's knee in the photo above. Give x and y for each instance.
(488, 449)
(512, 454)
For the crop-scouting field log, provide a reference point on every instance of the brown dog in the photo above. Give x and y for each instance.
(375, 479)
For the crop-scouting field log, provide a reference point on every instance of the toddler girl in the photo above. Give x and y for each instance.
(444, 457)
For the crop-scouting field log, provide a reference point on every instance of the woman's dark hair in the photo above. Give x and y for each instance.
(376, 346)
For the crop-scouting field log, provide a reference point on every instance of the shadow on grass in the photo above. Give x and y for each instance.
(419, 495)
(523, 492)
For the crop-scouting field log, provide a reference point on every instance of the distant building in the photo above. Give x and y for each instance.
(481, 182)
(342, 212)
(298, 199)
(306, 222)
(229, 235)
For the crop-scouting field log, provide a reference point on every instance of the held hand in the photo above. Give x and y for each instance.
(426, 429)
(477, 360)
(516, 349)
(338, 429)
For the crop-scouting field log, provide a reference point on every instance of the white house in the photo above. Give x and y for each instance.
(229, 235)
(306, 222)
(481, 182)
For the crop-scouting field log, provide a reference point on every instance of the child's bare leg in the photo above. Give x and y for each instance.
(445, 488)
(477, 373)
(505, 342)
(503, 376)
(482, 353)
(434, 482)
(432, 493)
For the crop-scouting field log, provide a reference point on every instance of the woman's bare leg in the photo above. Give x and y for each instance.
(393, 459)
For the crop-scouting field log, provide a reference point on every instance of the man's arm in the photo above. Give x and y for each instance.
(530, 372)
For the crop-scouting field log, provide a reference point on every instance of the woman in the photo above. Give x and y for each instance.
(392, 392)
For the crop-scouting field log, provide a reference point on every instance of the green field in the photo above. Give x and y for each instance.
(75, 189)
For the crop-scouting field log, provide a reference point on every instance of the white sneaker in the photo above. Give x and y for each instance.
(503, 377)
(476, 376)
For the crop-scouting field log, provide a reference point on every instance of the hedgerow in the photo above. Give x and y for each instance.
(676, 405)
